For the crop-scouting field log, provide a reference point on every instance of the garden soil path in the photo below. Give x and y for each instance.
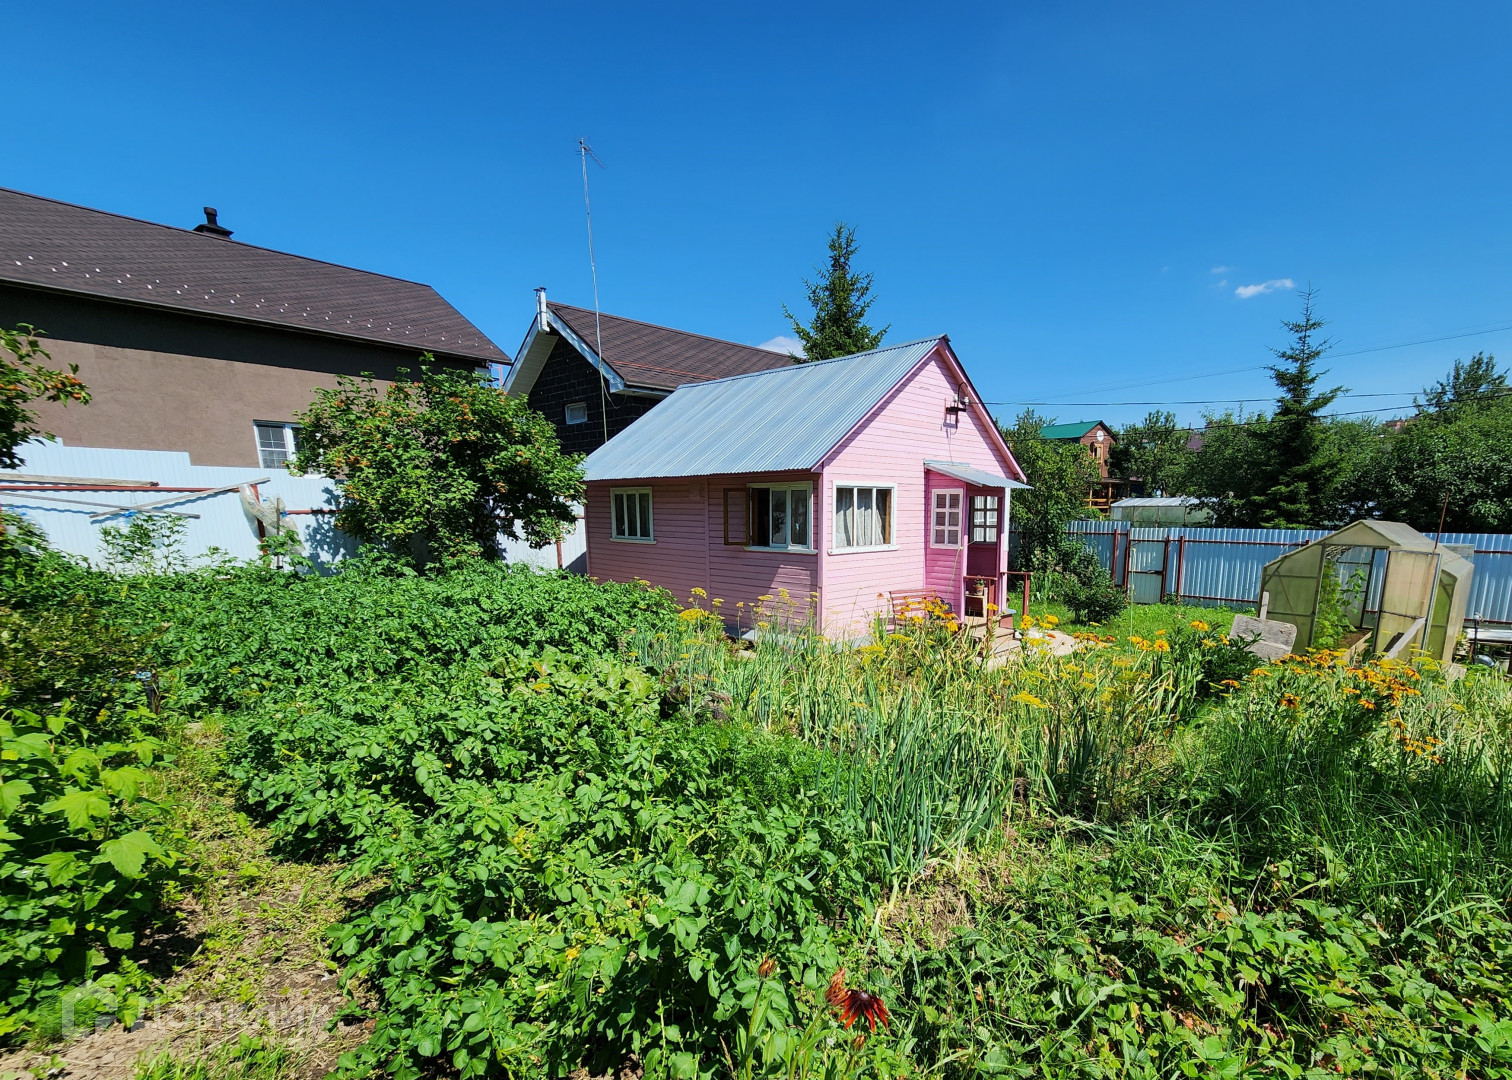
(242, 953)
(1007, 648)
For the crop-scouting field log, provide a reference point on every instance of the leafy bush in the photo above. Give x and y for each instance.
(439, 465)
(24, 379)
(220, 638)
(1087, 588)
(83, 856)
(571, 873)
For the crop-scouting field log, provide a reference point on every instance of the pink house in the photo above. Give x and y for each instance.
(842, 483)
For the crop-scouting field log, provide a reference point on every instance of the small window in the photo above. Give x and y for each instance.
(946, 523)
(632, 514)
(863, 517)
(984, 519)
(778, 516)
(276, 444)
(577, 413)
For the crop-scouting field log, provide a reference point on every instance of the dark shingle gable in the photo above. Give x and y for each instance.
(56, 245)
(660, 358)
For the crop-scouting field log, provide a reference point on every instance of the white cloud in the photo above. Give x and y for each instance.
(1244, 292)
(1221, 283)
(1220, 269)
(783, 344)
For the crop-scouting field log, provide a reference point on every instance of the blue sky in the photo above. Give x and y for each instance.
(1080, 194)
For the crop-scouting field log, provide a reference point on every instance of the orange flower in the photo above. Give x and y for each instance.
(855, 1004)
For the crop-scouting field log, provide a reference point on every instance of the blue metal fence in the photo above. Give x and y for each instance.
(1204, 565)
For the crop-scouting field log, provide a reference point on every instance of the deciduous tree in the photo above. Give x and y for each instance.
(1154, 452)
(1458, 447)
(1060, 474)
(439, 464)
(23, 379)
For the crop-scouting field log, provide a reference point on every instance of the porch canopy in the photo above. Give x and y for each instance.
(973, 476)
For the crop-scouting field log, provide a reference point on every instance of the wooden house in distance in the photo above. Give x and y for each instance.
(842, 482)
(1099, 440)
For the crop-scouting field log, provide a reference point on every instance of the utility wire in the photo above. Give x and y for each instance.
(1262, 367)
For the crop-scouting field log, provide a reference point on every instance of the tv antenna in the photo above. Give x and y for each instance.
(584, 153)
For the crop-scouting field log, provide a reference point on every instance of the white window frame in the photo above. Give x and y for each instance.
(892, 515)
(614, 521)
(567, 413)
(962, 528)
(290, 434)
(807, 487)
(996, 508)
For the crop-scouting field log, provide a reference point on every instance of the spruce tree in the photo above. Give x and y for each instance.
(840, 299)
(1296, 464)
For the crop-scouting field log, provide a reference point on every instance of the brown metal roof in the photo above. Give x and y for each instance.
(660, 358)
(56, 245)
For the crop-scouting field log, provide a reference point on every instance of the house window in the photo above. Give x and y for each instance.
(863, 517)
(577, 413)
(945, 530)
(778, 515)
(984, 519)
(276, 443)
(632, 514)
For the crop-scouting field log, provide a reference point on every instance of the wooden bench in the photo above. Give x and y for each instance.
(909, 604)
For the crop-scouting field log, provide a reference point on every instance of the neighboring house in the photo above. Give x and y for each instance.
(592, 398)
(839, 485)
(189, 340)
(1099, 440)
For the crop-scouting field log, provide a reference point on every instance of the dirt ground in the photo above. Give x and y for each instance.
(242, 953)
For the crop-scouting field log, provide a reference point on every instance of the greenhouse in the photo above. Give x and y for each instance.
(1376, 585)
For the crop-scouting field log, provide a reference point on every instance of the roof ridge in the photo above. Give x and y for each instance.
(659, 326)
(218, 239)
(810, 364)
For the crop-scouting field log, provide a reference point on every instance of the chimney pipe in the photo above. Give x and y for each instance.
(541, 309)
(211, 227)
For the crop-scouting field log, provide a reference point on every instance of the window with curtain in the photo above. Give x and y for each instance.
(778, 515)
(863, 517)
(946, 524)
(632, 514)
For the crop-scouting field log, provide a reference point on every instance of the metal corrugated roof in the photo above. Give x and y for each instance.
(1068, 431)
(1160, 500)
(768, 421)
(976, 477)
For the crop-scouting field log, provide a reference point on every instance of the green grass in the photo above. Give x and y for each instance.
(1142, 620)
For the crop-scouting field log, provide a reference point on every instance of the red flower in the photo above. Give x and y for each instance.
(854, 1004)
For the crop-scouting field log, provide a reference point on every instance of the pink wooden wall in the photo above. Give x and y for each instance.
(909, 427)
(689, 550)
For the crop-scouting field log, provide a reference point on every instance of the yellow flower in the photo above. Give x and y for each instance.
(1049, 620)
(1028, 621)
(1135, 639)
(1160, 633)
(1232, 684)
(572, 954)
(1026, 698)
(1162, 646)
(699, 592)
(1291, 701)
(1198, 624)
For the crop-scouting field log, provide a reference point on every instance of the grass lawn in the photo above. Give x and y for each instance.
(1141, 620)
